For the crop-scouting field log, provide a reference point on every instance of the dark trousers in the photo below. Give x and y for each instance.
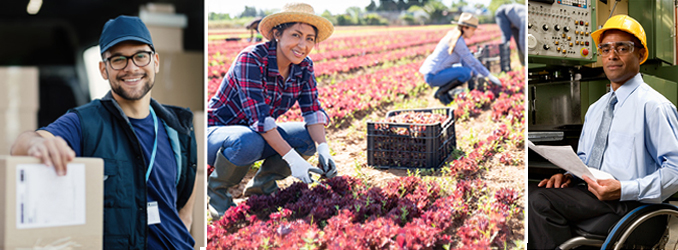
(553, 213)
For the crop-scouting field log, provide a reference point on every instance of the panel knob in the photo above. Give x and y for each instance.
(531, 41)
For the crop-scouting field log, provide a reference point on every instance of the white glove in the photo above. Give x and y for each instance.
(494, 80)
(326, 160)
(300, 168)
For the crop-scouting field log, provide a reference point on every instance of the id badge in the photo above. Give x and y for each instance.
(153, 213)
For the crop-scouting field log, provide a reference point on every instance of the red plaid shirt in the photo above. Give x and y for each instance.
(253, 92)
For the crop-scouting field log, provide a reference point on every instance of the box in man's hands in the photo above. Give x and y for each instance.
(40, 210)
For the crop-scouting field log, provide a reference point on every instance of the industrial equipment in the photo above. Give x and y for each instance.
(560, 31)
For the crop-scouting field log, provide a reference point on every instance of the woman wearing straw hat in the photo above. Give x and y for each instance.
(438, 69)
(264, 82)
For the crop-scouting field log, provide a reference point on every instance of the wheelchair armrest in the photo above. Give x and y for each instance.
(590, 235)
(580, 241)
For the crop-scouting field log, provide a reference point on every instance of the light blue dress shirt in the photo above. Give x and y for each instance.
(440, 59)
(642, 148)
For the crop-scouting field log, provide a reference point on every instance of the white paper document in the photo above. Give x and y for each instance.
(47, 200)
(564, 157)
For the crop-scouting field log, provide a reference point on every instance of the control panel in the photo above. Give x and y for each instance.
(561, 28)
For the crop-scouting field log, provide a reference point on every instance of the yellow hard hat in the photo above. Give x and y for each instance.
(624, 23)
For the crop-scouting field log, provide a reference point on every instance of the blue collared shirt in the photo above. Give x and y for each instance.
(642, 148)
(440, 59)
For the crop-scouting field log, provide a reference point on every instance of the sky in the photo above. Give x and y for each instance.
(235, 7)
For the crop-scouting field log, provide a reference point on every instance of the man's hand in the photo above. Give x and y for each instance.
(556, 181)
(604, 190)
(52, 150)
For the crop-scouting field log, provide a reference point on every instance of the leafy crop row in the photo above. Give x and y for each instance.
(344, 213)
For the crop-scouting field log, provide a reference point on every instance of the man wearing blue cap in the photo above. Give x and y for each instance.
(149, 149)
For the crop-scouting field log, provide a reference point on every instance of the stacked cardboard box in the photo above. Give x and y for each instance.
(199, 219)
(180, 80)
(19, 103)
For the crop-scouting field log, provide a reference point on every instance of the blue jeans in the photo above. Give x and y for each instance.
(243, 146)
(447, 75)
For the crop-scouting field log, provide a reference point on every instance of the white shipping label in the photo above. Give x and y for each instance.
(44, 199)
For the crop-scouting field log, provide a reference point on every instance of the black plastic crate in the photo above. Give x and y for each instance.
(401, 145)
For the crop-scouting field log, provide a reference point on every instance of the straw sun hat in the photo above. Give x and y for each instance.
(296, 12)
(467, 19)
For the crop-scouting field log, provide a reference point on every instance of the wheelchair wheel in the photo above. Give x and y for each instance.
(636, 233)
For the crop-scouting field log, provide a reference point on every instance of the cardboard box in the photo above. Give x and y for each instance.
(200, 188)
(14, 122)
(181, 80)
(19, 103)
(166, 27)
(22, 228)
(19, 87)
(167, 38)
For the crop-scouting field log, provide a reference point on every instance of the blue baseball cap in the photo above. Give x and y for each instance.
(124, 28)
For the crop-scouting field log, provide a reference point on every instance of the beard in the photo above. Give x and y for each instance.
(133, 95)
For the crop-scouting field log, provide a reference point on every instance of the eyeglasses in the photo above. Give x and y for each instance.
(622, 48)
(140, 59)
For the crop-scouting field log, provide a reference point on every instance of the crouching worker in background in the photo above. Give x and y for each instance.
(438, 69)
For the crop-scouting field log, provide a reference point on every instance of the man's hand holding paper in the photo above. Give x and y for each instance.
(564, 157)
(604, 190)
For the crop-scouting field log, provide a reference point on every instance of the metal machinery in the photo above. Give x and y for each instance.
(565, 76)
(560, 31)
(558, 44)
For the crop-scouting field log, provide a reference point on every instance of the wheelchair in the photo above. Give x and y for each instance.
(645, 227)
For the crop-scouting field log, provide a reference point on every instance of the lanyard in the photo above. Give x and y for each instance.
(155, 145)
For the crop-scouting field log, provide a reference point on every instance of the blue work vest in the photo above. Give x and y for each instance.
(107, 134)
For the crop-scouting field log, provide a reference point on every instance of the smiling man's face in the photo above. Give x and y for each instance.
(621, 68)
(131, 82)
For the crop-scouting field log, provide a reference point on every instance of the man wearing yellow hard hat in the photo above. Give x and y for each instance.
(631, 132)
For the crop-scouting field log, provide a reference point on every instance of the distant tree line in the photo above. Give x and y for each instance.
(385, 12)
(394, 5)
(249, 12)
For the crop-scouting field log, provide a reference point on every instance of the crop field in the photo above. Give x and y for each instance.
(473, 200)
